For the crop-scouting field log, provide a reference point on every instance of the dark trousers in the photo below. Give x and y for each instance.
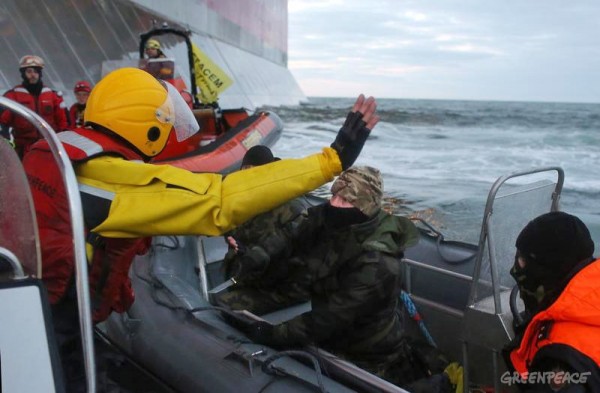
(65, 318)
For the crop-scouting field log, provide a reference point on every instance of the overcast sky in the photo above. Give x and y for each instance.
(525, 50)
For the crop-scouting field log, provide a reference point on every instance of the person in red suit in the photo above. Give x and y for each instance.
(82, 91)
(33, 94)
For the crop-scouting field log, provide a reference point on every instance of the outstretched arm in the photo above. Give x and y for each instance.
(187, 203)
(355, 130)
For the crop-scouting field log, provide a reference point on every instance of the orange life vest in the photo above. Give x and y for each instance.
(573, 320)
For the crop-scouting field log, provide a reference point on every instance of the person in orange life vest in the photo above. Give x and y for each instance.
(82, 91)
(128, 118)
(558, 278)
(34, 95)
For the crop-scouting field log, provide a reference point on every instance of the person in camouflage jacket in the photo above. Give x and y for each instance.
(267, 278)
(352, 249)
(258, 258)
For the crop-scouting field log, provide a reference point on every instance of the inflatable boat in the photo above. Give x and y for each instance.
(173, 332)
(462, 292)
(225, 134)
(223, 140)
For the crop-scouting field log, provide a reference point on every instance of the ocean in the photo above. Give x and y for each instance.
(439, 158)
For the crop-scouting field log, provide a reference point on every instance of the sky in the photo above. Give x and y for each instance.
(508, 50)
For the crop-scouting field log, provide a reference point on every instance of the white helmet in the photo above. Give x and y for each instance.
(31, 61)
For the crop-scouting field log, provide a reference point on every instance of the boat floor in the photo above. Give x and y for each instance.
(123, 374)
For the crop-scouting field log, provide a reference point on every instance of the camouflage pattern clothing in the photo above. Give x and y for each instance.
(362, 186)
(356, 283)
(268, 279)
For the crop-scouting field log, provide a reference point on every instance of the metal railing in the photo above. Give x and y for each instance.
(77, 227)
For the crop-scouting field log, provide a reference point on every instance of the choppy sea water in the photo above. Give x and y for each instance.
(439, 158)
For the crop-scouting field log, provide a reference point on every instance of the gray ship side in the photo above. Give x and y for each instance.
(247, 39)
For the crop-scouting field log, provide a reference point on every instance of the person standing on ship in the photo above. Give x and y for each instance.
(129, 117)
(32, 94)
(82, 91)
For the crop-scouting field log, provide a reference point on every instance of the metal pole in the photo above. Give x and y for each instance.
(77, 227)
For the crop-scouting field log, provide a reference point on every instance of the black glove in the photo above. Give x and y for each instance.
(351, 139)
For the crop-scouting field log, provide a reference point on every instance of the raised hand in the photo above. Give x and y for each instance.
(367, 107)
(355, 130)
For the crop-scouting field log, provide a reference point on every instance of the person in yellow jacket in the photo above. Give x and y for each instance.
(128, 119)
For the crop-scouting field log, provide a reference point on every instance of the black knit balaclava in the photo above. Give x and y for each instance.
(341, 217)
(552, 245)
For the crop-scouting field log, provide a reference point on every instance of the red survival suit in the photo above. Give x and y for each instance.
(76, 113)
(572, 320)
(109, 282)
(49, 105)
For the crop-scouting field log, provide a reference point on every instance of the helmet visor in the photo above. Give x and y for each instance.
(176, 112)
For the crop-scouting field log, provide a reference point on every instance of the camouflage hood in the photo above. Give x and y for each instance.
(394, 235)
(361, 186)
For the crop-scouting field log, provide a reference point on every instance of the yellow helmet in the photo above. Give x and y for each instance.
(136, 106)
(152, 44)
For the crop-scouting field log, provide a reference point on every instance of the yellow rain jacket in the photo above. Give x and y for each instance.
(126, 201)
(149, 199)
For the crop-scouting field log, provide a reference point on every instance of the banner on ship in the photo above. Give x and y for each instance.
(210, 79)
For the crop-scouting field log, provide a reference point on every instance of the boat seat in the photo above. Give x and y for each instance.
(172, 268)
(214, 249)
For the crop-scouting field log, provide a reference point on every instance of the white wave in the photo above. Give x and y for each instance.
(444, 165)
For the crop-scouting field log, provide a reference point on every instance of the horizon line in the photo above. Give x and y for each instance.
(466, 99)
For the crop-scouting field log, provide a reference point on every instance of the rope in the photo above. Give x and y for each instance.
(414, 314)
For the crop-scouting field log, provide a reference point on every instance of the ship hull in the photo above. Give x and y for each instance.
(75, 37)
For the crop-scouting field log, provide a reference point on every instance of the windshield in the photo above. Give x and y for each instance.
(514, 205)
(18, 227)
(163, 68)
